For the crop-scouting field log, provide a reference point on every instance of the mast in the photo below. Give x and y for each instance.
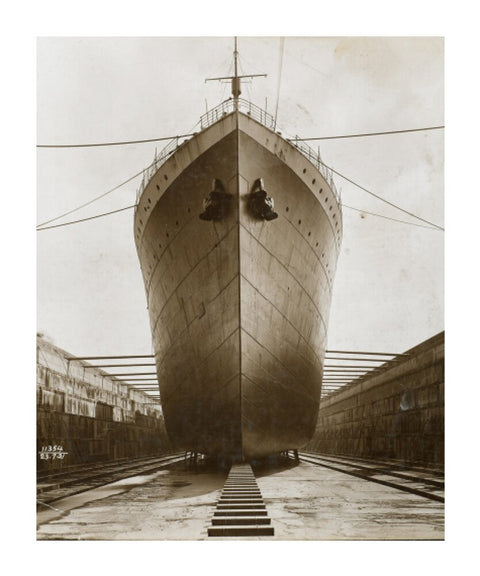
(236, 79)
(236, 90)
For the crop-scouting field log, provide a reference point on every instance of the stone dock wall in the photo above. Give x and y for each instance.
(89, 416)
(396, 414)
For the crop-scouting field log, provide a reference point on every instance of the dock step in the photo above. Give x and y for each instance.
(240, 520)
(240, 509)
(228, 531)
(239, 506)
(240, 512)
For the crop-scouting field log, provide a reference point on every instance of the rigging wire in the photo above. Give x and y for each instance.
(306, 64)
(245, 83)
(133, 206)
(250, 64)
(389, 218)
(116, 187)
(96, 198)
(114, 143)
(43, 224)
(282, 46)
(296, 139)
(383, 199)
(85, 219)
(227, 61)
(229, 73)
(367, 134)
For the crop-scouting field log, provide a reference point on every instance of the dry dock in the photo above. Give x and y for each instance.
(304, 502)
(380, 476)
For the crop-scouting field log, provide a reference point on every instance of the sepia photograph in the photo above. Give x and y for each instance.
(238, 250)
(240, 288)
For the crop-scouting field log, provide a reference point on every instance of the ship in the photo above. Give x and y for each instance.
(238, 231)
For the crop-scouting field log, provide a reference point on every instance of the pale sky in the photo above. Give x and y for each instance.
(388, 292)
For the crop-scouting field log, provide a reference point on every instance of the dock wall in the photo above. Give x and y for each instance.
(89, 415)
(396, 414)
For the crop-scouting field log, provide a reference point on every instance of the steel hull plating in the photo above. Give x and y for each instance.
(238, 307)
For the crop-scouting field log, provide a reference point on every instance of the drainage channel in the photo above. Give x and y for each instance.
(240, 509)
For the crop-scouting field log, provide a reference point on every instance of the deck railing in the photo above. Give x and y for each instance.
(158, 160)
(262, 116)
(230, 105)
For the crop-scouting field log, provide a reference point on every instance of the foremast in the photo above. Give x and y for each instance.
(236, 80)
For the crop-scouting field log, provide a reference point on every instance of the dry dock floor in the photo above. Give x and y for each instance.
(304, 502)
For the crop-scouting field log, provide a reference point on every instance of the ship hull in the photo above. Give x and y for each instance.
(238, 306)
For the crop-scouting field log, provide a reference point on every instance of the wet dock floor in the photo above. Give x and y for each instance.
(304, 502)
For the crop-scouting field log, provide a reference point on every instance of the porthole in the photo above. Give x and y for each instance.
(330, 209)
(149, 201)
(304, 170)
(168, 235)
(158, 187)
(188, 210)
(165, 176)
(160, 246)
(313, 181)
(326, 199)
(334, 215)
(316, 245)
(287, 209)
(321, 190)
(323, 255)
(176, 222)
(299, 222)
(309, 233)
(141, 221)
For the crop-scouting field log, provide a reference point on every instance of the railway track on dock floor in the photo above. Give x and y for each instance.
(74, 480)
(420, 481)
